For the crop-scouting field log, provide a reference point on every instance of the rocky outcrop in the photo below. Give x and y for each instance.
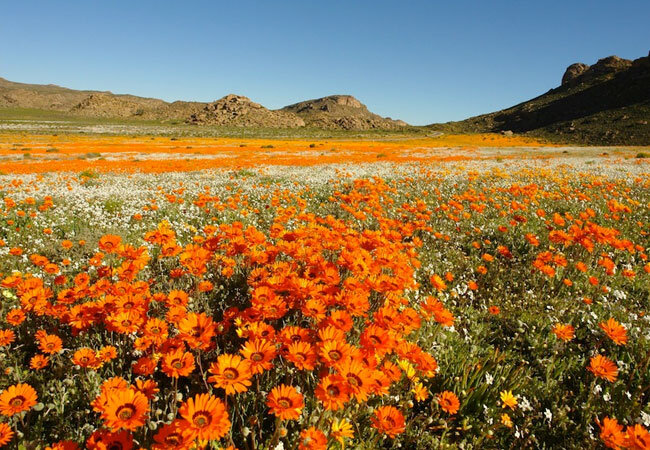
(580, 72)
(574, 71)
(240, 111)
(341, 112)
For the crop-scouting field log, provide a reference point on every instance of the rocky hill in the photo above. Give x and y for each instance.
(99, 104)
(334, 112)
(606, 103)
(340, 112)
(36, 96)
(240, 111)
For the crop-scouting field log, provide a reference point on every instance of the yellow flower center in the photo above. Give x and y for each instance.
(125, 412)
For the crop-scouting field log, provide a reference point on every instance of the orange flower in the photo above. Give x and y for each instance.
(603, 367)
(107, 353)
(178, 364)
(259, 353)
(333, 392)
(104, 439)
(125, 409)
(444, 317)
(17, 398)
(231, 373)
(611, 433)
(388, 420)
(637, 437)
(286, 402)
(437, 282)
(359, 378)
(109, 243)
(63, 445)
(15, 316)
(148, 387)
(50, 344)
(206, 416)
(197, 330)
(565, 332)
(312, 439)
(615, 331)
(494, 310)
(448, 402)
(39, 362)
(302, 355)
(85, 357)
(156, 330)
(176, 435)
(333, 352)
(6, 434)
(6, 337)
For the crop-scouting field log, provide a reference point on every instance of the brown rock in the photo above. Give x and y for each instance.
(239, 111)
(574, 71)
(341, 112)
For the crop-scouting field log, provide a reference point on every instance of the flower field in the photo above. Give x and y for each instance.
(479, 299)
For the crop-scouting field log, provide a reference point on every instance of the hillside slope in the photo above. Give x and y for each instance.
(607, 103)
(340, 112)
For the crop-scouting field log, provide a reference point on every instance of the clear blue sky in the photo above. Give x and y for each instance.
(421, 61)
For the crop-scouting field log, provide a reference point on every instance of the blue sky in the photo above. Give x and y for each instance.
(421, 61)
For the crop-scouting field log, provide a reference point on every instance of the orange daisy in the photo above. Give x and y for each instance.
(388, 420)
(564, 332)
(603, 367)
(231, 373)
(39, 362)
(259, 353)
(178, 364)
(611, 433)
(312, 439)
(302, 355)
(359, 378)
(615, 331)
(125, 409)
(17, 398)
(176, 435)
(333, 352)
(333, 392)
(206, 416)
(6, 434)
(286, 402)
(85, 357)
(50, 344)
(448, 402)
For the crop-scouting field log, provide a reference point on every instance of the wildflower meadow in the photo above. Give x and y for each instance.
(481, 301)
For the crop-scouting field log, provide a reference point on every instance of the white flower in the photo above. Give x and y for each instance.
(606, 397)
(548, 415)
(645, 418)
(489, 378)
